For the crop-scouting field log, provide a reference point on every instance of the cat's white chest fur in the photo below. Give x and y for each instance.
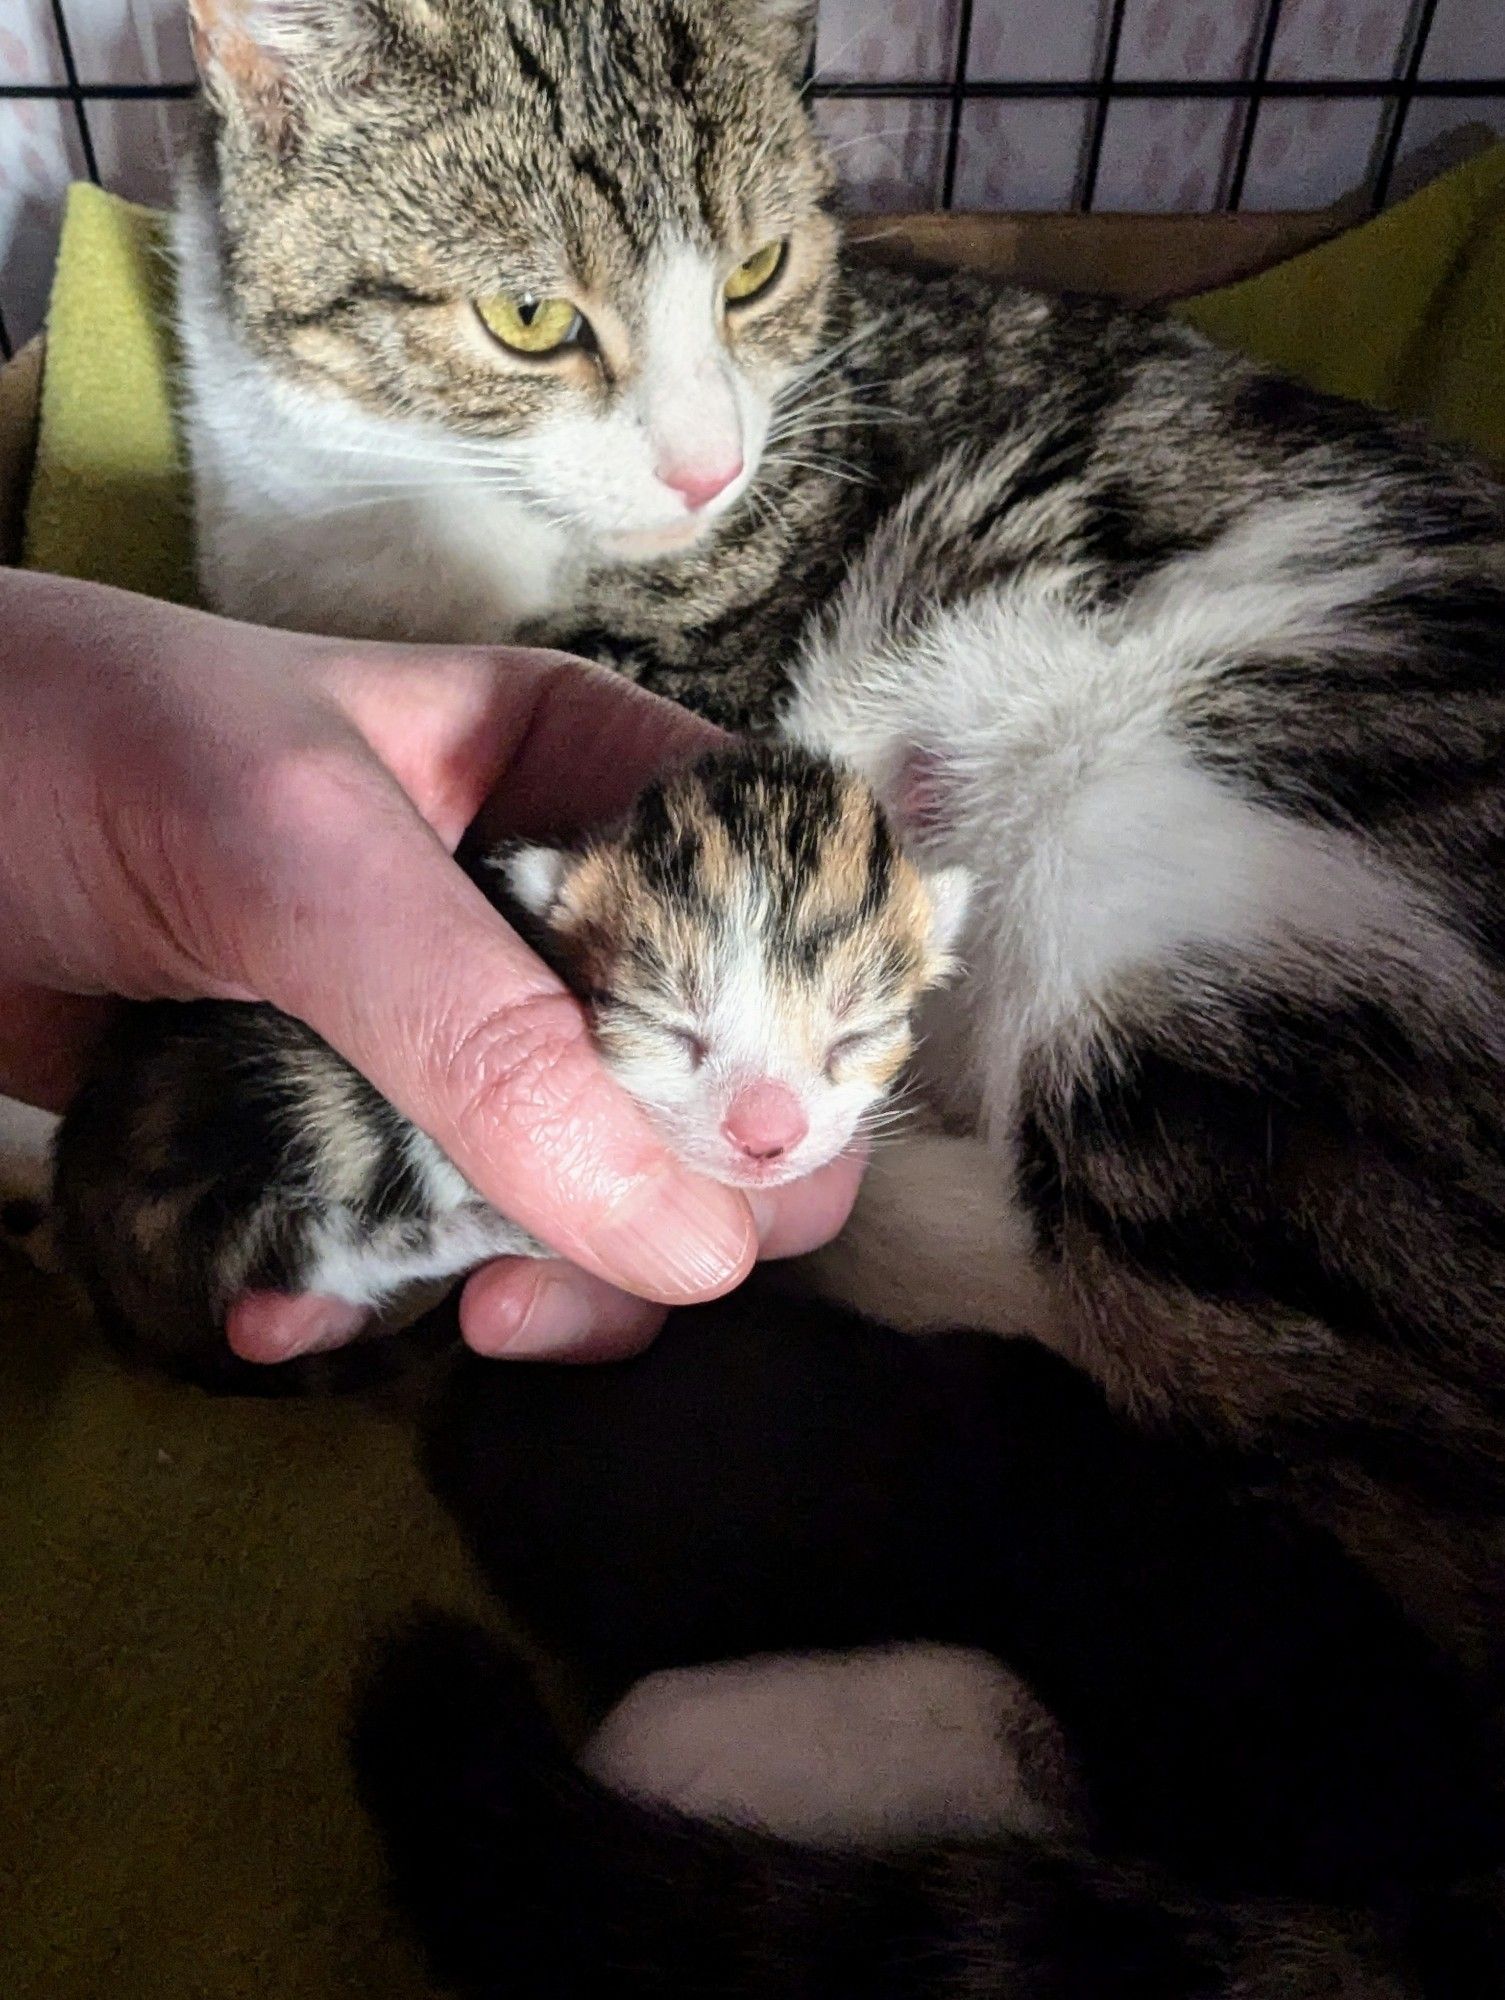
(1059, 770)
(434, 566)
(312, 515)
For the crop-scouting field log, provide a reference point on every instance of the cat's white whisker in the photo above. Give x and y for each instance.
(841, 469)
(926, 131)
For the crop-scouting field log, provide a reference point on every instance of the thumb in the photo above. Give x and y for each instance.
(353, 918)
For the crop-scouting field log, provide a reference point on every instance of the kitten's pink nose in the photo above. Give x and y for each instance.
(766, 1120)
(700, 484)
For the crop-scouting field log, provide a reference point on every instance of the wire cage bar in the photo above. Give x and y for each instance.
(1248, 93)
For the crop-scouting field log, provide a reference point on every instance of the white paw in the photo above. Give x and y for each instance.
(885, 1746)
(937, 1240)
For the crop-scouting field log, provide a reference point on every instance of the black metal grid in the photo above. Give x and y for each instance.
(1397, 91)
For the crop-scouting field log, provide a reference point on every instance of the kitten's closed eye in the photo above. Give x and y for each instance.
(864, 1042)
(695, 1046)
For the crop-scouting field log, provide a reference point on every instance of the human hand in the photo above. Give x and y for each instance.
(198, 809)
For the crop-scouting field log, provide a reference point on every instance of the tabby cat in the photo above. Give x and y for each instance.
(513, 319)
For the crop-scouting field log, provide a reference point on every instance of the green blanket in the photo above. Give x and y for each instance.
(186, 1584)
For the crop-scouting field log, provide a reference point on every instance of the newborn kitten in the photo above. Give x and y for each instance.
(751, 944)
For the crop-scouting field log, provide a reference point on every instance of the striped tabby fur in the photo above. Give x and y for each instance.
(528, 1877)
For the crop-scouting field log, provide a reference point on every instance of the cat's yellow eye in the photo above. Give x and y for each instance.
(531, 326)
(750, 280)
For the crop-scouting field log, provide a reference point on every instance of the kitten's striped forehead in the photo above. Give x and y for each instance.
(781, 850)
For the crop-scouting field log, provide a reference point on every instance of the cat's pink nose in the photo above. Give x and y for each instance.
(766, 1120)
(700, 484)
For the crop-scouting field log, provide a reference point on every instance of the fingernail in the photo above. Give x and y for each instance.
(554, 1320)
(676, 1238)
(764, 1213)
(277, 1326)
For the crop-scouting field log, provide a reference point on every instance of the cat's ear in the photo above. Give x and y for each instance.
(260, 60)
(535, 876)
(786, 28)
(950, 891)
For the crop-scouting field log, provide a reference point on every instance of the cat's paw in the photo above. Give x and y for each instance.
(937, 1240)
(889, 1746)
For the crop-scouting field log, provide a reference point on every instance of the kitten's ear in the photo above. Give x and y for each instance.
(535, 876)
(786, 28)
(950, 891)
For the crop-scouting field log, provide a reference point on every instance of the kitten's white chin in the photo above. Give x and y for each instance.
(769, 1173)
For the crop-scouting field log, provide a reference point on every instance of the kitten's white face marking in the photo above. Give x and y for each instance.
(679, 444)
(769, 1076)
(759, 1038)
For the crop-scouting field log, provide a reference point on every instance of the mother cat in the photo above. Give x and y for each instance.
(512, 319)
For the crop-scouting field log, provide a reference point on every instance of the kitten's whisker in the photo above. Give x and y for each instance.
(878, 1130)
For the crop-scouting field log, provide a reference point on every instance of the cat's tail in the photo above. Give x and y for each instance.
(527, 1879)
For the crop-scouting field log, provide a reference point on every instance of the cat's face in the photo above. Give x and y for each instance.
(753, 946)
(571, 249)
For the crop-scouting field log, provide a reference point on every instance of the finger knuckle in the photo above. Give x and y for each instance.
(519, 1068)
